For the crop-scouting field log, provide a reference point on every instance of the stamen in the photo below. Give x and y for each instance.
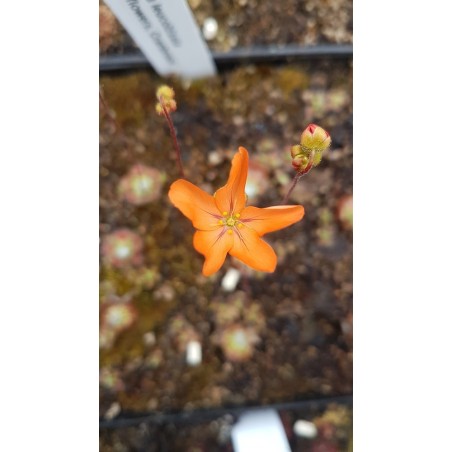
(237, 215)
(230, 231)
(230, 221)
(225, 214)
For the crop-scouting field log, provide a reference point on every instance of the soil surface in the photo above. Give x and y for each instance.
(243, 23)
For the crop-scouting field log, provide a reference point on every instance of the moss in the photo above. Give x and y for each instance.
(130, 344)
(291, 81)
(131, 97)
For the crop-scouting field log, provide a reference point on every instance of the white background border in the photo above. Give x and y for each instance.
(402, 227)
(49, 226)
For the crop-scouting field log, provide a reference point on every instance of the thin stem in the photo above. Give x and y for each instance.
(297, 177)
(294, 182)
(173, 136)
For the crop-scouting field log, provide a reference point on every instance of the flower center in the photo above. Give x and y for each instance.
(230, 220)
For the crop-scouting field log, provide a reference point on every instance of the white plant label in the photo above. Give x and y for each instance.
(167, 34)
(260, 431)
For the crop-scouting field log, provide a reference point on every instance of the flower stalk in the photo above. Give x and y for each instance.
(296, 178)
(167, 104)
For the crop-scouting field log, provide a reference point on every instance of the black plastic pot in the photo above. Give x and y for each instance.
(267, 54)
(254, 55)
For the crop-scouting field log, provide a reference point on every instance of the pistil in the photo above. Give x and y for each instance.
(230, 220)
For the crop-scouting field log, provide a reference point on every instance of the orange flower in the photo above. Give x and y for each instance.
(224, 225)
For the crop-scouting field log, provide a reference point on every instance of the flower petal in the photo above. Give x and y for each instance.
(214, 245)
(271, 219)
(253, 251)
(231, 198)
(195, 204)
